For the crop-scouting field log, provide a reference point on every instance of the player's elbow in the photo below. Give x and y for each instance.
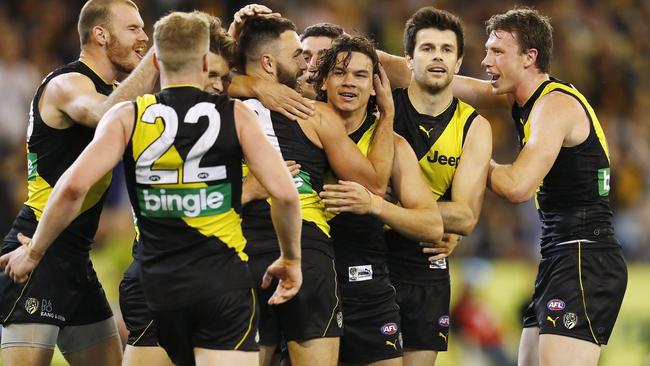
(72, 191)
(518, 194)
(287, 197)
(379, 190)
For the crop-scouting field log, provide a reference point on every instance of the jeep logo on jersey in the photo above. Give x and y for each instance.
(444, 321)
(389, 328)
(184, 202)
(555, 305)
(443, 159)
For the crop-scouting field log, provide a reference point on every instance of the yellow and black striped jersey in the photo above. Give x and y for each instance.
(50, 152)
(359, 245)
(438, 144)
(288, 138)
(183, 173)
(573, 198)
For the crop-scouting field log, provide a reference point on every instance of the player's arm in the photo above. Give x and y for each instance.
(478, 93)
(267, 165)
(253, 190)
(417, 217)
(461, 214)
(397, 69)
(273, 95)
(551, 121)
(68, 195)
(75, 95)
(345, 158)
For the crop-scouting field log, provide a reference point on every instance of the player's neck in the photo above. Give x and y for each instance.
(97, 60)
(527, 87)
(353, 119)
(188, 78)
(255, 71)
(428, 103)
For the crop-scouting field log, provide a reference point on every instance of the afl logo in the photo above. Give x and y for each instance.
(555, 305)
(203, 175)
(444, 321)
(154, 178)
(389, 328)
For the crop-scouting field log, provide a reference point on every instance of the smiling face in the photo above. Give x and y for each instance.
(435, 59)
(349, 87)
(312, 50)
(504, 63)
(127, 42)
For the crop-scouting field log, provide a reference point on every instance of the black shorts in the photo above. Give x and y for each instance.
(578, 294)
(424, 311)
(372, 331)
(226, 321)
(138, 319)
(59, 292)
(315, 312)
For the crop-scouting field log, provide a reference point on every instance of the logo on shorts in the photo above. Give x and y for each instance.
(444, 336)
(548, 317)
(360, 273)
(555, 305)
(31, 305)
(389, 328)
(392, 344)
(339, 319)
(439, 264)
(444, 321)
(570, 320)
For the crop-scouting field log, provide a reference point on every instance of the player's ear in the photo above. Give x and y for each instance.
(458, 64)
(100, 34)
(204, 59)
(530, 57)
(268, 63)
(409, 61)
(155, 62)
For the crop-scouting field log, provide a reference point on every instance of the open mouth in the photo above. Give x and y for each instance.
(493, 77)
(347, 96)
(437, 70)
(140, 51)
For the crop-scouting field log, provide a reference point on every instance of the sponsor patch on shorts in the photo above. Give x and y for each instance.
(360, 273)
(555, 305)
(439, 264)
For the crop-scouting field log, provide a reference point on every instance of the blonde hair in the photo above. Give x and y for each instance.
(97, 13)
(180, 39)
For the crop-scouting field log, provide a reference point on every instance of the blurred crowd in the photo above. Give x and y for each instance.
(601, 46)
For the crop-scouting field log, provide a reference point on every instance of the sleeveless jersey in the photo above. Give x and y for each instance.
(288, 138)
(359, 245)
(183, 173)
(438, 144)
(50, 151)
(573, 198)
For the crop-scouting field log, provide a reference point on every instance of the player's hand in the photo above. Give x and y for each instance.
(19, 263)
(254, 188)
(384, 93)
(350, 197)
(289, 273)
(282, 99)
(248, 11)
(442, 248)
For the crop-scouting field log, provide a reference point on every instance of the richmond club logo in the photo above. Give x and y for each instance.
(31, 305)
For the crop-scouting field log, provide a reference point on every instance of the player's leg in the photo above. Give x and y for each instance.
(142, 344)
(325, 350)
(267, 355)
(28, 344)
(419, 357)
(211, 357)
(529, 347)
(575, 351)
(144, 356)
(312, 321)
(91, 344)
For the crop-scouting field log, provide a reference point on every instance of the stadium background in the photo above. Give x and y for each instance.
(601, 46)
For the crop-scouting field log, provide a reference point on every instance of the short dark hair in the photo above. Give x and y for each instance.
(346, 44)
(221, 42)
(258, 33)
(430, 17)
(328, 30)
(532, 29)
(97, 12)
